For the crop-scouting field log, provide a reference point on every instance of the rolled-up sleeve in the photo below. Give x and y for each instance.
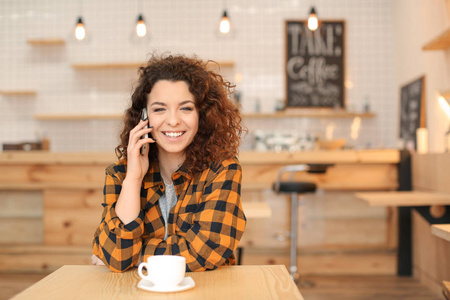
(116, 244)
(217, 224)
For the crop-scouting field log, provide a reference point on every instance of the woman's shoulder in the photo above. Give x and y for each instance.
(231, 163)
(119, 167)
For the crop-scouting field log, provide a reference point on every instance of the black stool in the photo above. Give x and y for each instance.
(296, 188)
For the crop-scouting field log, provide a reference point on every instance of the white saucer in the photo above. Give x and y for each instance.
(185, 284)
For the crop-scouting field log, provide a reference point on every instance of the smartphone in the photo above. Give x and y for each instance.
(144, 117)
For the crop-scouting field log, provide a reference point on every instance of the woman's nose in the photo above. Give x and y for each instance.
(173, 119)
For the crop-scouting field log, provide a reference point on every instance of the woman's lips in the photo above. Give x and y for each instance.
(173, 134)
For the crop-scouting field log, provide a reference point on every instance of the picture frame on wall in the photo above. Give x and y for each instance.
(315, 64)
(412, 111)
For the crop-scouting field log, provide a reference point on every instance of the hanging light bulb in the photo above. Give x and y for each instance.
(313, 22)
(224, 25)
(141, 28)
(80, 32)
(445, 106)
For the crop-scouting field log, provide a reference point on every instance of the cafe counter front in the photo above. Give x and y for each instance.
(52, 205)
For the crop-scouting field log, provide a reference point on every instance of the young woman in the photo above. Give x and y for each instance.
(180, 195)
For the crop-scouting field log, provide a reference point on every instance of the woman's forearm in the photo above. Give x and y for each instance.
(128, 205)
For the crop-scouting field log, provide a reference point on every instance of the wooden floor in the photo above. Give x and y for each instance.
(326, 287)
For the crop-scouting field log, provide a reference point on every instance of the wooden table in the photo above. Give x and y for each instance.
(441, 230)
(406, 200)
(228, 282)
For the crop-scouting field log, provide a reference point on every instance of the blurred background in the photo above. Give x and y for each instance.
(382, 51)
(66, 95)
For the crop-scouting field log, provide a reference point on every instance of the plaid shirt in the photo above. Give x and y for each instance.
(204, 226)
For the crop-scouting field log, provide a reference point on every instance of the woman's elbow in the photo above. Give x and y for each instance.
(119, 266)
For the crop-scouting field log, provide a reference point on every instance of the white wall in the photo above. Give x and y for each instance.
(257, 48)
(417, 22)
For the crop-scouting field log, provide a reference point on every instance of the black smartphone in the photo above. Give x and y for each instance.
(144, 117)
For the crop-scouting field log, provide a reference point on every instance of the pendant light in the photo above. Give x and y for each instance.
(224, 25)
(313, 22)
(80, 31)
(141, 28)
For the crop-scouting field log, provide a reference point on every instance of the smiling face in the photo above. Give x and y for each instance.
(174, 117)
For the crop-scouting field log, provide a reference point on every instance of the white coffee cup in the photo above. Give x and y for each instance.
(164, 270)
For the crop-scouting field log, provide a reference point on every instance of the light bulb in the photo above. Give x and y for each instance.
(445, 106)
(224, 25)
(313, 22)
(80, 32)
(141, 28)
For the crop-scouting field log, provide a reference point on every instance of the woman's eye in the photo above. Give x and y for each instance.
(158, 109)
(188, 108)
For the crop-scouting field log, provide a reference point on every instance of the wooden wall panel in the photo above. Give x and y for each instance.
(76, 228)
(431, 255)
(23, 259)
(21, 204)
(424, 179)
(71, 216)
(70, 199)
(328, 263)
(339, 177)
(326, 219)
(21, 217)
(21, 231)
(431, 172)
(442, 173)
(53, 174)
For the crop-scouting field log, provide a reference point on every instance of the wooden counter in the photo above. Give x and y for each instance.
(248, 157)
(57, 198)
(43, 170)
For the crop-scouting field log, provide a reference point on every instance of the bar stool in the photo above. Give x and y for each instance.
(296, 188)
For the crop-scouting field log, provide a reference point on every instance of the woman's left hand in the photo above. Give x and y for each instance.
(96, 261)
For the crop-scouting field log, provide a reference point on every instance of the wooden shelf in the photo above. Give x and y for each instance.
(439, 43)
(46, 42)
(224, 63)
(308, 114)
(408, 198)
(89, 66)
(18, 93)
(441, 230)
(77, 117)
(124, 65)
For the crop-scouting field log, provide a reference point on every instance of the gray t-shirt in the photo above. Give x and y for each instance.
(167, 202)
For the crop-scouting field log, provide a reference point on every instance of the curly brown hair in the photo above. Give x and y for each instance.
(219, 128)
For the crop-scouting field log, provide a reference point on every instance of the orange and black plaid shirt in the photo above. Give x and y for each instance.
(204, 226)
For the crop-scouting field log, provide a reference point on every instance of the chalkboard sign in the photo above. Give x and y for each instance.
(315, 64)
(412, 110)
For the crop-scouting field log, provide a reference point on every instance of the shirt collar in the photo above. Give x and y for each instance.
(154, 178)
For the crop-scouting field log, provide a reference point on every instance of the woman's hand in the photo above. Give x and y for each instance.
(96, 261)
(137, 164)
